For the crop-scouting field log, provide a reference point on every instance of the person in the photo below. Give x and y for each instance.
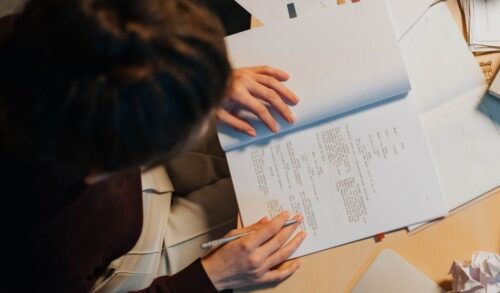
(92, 91)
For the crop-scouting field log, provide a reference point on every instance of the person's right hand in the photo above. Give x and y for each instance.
(254, 259)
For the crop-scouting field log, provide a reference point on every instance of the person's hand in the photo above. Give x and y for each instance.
(252, 88)
(254, 258)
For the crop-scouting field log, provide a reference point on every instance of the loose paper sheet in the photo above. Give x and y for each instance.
(482, 275)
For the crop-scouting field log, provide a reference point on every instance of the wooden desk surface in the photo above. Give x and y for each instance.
(431, 250)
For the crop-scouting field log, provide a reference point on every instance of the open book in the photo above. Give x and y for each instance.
(356, 162)
(461, 124)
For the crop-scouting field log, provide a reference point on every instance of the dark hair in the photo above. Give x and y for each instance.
(108, 84)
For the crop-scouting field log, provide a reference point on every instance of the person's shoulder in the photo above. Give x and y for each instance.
(6, 25)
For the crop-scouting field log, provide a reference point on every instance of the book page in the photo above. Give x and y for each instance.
(337, 59)
(464, 137)
(460, 124)
(351, 177)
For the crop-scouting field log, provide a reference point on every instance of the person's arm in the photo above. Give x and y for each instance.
(191, 279)
(249, 260)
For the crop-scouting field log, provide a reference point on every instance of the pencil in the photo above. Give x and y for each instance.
(225, 240)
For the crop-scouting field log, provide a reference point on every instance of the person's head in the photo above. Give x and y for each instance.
(109, 84)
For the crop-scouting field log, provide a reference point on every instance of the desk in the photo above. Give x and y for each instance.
(431, 250)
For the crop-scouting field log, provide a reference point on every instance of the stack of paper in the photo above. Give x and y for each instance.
(482, 19)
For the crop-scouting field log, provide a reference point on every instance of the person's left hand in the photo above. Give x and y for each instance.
(252, 88)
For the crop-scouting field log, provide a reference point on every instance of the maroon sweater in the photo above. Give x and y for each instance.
(63, 234)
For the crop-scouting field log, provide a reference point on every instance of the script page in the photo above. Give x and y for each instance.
(351, 177)
(337, 59)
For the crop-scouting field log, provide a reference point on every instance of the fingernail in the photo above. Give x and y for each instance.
(251, 132)
(276, 127)
(264, 219)
(285, 213)
(297, 99)
(292, 118)
(302, 234)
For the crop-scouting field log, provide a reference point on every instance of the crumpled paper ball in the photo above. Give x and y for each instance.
(481, 275)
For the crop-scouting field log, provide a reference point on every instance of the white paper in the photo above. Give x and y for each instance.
(486, 15)
(391, 273)
(439, 64)
(404, 13)
(338, 60)
(482, 20)
(481, 275)
(461, 126)
(351, 177)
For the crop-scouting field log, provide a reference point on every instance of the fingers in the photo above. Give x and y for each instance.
(235, 122)
(245, 99)
(280, 273)
(270, 95)
(267, 231)
(286, 251)
(278, 87)
(271, 71)
(257, 225)
(280, 238)
(255, 88)
(253, 259)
